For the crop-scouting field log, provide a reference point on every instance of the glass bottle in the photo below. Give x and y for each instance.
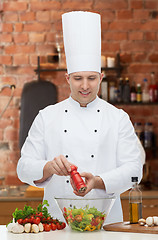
(112, 92)
(133, 92)
(145, 91)
(153, 89)
(135, 202)
(120, 90)
(139, 93)
(126, 91)
(148, 135)
(139, 131)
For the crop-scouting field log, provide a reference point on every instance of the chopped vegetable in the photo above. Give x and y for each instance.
(84, 219)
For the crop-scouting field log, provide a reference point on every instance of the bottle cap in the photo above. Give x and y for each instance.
(134, 179)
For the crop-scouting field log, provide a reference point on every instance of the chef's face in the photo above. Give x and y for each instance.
(84, 86)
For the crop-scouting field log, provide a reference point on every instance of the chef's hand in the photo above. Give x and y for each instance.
(59, 166)
(91, 181)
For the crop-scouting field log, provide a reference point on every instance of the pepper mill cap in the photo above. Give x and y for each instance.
(73, 167)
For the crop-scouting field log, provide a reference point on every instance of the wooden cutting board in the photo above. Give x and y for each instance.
(127, 227)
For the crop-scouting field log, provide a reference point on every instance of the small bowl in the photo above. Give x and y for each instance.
(83, 214)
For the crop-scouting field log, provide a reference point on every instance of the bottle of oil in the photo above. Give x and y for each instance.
(135, 202)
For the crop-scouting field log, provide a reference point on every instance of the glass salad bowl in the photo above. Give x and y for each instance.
(85, 214)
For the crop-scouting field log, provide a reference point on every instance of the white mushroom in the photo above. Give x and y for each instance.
(17, 228)
(149, 221)
(35, 228)
(41, 228)
(142, 221)
(27, 227)
(155, 220)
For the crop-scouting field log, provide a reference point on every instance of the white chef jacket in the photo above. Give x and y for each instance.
(98, 138)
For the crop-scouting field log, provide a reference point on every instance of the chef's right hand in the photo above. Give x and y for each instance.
(60, 166)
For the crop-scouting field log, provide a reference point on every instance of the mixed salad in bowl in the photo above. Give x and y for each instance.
(82, 214)
(84, 219)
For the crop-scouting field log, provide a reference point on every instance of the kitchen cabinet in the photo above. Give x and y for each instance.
(8, 206)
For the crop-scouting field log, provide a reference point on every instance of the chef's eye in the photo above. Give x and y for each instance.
(77, 78)
(92, 78)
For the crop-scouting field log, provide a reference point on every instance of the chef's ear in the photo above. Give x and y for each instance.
(101, 76)
(67, 76)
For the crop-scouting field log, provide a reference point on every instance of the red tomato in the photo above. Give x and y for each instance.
(48, 220)
(37, 220)
(26, 220)
(53, 226)
(63, 225)
(78, 218)
(44, 219)
(31, 219)
(47, 227)
(20, 221)
(59, 227)
(40, 214)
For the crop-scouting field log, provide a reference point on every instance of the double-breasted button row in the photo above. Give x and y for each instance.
(98, 110)
(65, 130)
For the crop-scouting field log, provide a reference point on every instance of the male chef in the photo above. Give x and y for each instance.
(82, 130)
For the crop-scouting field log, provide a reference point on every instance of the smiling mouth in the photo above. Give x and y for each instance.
(84, 93)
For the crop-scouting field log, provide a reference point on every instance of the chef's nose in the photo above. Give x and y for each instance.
(85, 84)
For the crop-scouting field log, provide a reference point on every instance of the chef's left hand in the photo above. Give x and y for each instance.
(91, 182)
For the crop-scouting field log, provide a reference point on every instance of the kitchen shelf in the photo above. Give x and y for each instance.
(116, 69)
(134, 104)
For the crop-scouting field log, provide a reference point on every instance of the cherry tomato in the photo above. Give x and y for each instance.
(47, 227)
(31, 219)
(37, 220)
(48, 220)
(53, 226)
(63, 225)
(44, 219)
(59, 227)
(78, 218)
(40, 214)
(20, 221)
(26, 220)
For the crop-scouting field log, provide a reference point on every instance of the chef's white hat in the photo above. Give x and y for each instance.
(82, 41)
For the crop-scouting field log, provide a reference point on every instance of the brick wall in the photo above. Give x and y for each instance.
(27, 29)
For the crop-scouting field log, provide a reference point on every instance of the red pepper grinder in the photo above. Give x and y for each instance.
(77, 180)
